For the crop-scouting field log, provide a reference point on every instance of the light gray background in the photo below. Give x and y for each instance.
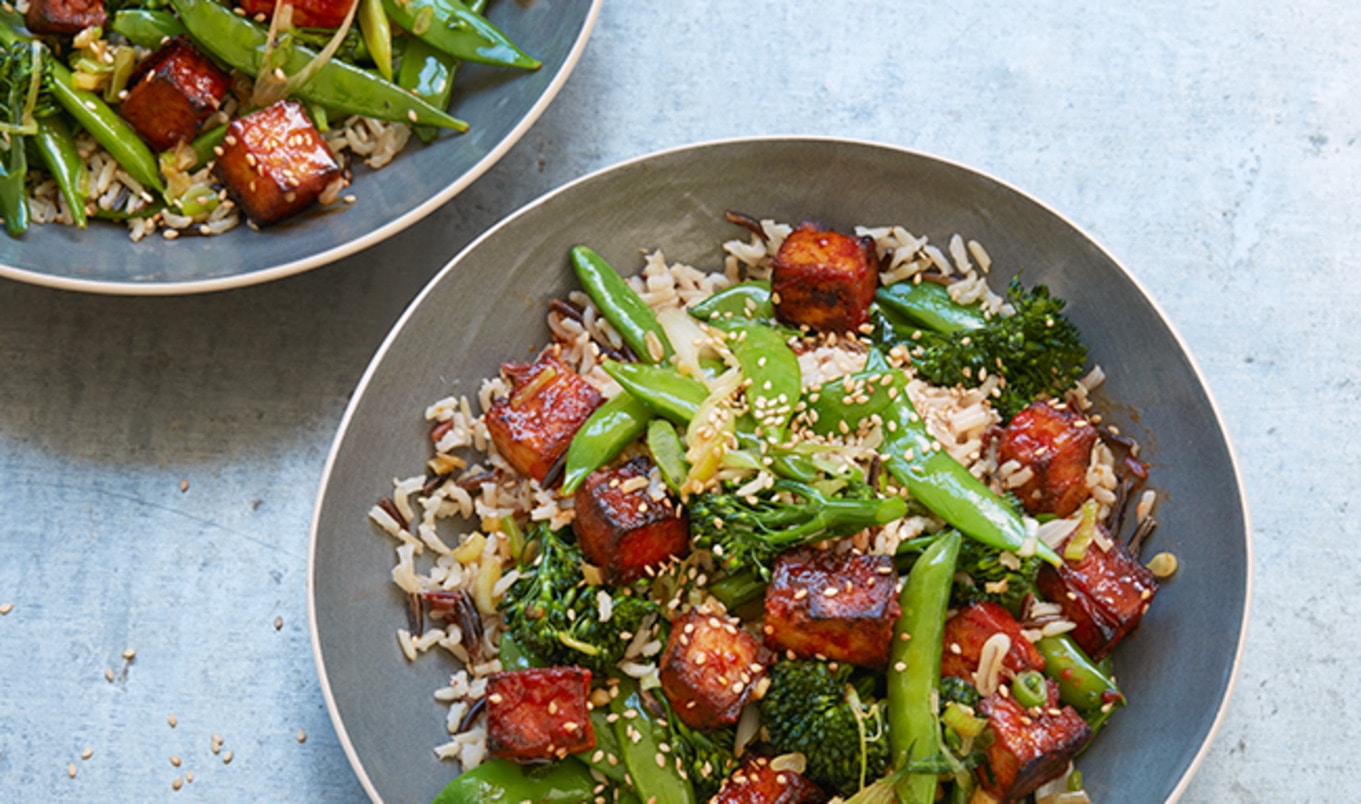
(1211, 146)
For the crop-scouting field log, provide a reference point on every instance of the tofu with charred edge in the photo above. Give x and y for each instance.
(832, 606)
(709, 668)
(539, 714)
(756, 782)
(306, 13)
(1106, 592)
(970, 628)
(1055, 443)
(1029, 746)
(533, 425)
(172, 93)
(623, 527)
(275, 162)
(64, 17)
(824, 280)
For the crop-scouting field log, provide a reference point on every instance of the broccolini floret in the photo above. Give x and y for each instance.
(747, 533)
(990, 579)
(1037, 350)
(842, 733)
(707, 756)
(552, 612)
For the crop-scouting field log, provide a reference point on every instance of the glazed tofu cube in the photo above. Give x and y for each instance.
(64, 17)
(832, 606)
(709, 668)
(1055, 444)
(275, 162)
(970, 629)
(824, 279)
(625, 523)
(306, 13)
(539, 713)
(1106, 593)
(755, 782)
(1030, 746)
(172, 93)
(533, 426)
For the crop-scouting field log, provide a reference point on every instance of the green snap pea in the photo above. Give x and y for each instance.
(57, 147)
(377, 31)
(429, 74)
(621, 306)
(946, 488)
(745, 300)
(205, 145)
(662, 388)
(146, 27)
(337, 85)
(640, 737)
(772, 371)
(851, 399)
(499, 781)
(1082, 684)
(454, 28)
(930, 306)
(13, 195)
(613, 426)
(914, 659)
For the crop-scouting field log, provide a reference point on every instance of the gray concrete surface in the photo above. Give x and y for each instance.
(1210, 145)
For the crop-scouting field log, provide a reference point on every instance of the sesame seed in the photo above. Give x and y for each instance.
(129, 653)
(900, 666)
(177, 783)
(302, 736)
(227, 757)
(175, 760)
(108, 674)
(71, 770)
(87, 753)
(172, 720)
(6, 608)
(829, 591)
(278, 623)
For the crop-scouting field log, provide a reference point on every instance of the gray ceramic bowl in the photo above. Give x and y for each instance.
(499, 104)
(488, 304)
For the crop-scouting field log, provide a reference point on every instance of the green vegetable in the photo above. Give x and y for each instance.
(772, 371)
(640, 736)
(336, 85)
(749, 301)
(621, 306)
(839, 405)
(663, 389)
(668, 453)
(613, 426)
(983, 567)
(1029, 689)
(22, 82)
(914, 659)
(706, 756)
(57, 146)
(499, 781)
(551, 612)
(450, 26)
(750, 532)
(146, 28)
(377, 31)
(429, 72)
(1082, 683)
(1038, 350)
(947, 488)
(930, 306)
(816, 711)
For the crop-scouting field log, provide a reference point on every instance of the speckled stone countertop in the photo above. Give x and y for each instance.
(159, 456)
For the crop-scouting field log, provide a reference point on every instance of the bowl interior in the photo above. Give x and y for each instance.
(498, 103)
(488, 306)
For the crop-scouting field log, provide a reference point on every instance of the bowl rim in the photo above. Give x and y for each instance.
(349, 247)
(400, 324)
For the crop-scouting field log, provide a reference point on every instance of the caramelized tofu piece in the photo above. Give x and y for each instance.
(971, 628)
(824, 279)
(533, 426)
(1106, 593)
(1055, 444)
(625, 524)
(709, 668)
(832, 606)
(64, 17)
(539, 713)
(172, 93)
(755, 782)
(275, 162)
(306, 13)
(1030, 746)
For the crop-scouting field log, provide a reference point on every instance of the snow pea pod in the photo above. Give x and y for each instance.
(499, 781)
(772, 370)
(1082, 684)
(849, 400)
(640, 738)
(621, 306)
(146, 27)
(668, 453)
(662, 388)
(429, 72)
(377, 31)
(914, 659)
(942, 484)
(58, 149)
(929, 305)
(452, 27)
(750, 300)
(613, 426)
(337, 85)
